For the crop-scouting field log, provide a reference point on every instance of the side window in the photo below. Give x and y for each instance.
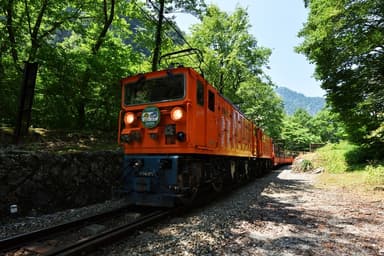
(211, 101)
(200, 93)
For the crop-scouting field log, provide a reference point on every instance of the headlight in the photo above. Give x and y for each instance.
(129, 118)
(181, 136)
(177, 114)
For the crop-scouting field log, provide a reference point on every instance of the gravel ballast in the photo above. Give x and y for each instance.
(280, 214)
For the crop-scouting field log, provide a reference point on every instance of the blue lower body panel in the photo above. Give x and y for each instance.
(156, 200)
(151, 180)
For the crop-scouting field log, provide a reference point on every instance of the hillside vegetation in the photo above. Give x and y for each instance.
(342, 165)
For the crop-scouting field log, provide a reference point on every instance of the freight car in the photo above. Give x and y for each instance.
(179, 135)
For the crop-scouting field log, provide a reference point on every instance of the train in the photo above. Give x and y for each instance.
(180, 136)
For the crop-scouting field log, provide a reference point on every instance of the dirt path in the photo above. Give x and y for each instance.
(303, 220)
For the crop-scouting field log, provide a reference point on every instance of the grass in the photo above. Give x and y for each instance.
(333, 157)
(345, 167)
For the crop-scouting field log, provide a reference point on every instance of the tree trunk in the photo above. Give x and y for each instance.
(26, 100)
(156, 52)
(81, 106)
(81, 115)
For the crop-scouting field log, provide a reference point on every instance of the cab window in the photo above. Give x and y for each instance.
(211, 101)
(200, 93)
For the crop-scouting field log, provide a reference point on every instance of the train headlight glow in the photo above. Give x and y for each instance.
(129, 118)
(177, 113)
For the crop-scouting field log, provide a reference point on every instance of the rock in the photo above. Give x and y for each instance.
(318, 170)
(35, 179)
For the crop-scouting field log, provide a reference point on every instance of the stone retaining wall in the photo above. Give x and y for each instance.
(47, 182)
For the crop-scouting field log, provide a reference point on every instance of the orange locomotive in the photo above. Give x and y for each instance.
(180, 135)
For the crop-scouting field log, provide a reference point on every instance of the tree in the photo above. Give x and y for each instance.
(28, 26)
(105, 46)
(231, 53)
(106, 15)
(195, 7)
(296, 132)
(345, 41)
(302, 117)
(261, 104)
(295, 137)
(326, 125)
(233, 63)
(301, 129)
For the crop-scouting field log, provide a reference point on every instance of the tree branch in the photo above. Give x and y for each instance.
(11, 32)
(35, 31)
(107, 24)
(28, 17)
(57, 24)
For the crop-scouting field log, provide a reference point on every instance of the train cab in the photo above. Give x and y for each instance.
(164, 118)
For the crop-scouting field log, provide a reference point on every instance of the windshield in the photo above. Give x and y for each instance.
(170, 87)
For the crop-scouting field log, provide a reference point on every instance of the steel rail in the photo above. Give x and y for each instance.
(95, 241)
(18, 240)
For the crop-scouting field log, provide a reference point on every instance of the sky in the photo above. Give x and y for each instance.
(275, 24)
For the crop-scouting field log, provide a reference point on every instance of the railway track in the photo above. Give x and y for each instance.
(54, 240)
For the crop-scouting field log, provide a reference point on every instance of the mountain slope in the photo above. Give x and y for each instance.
(294, 100)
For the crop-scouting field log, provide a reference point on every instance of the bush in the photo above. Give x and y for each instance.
(302, 165)
(337, 158)
(375, 173)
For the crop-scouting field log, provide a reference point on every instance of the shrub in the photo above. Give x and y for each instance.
(375, 173)
(302, 165)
